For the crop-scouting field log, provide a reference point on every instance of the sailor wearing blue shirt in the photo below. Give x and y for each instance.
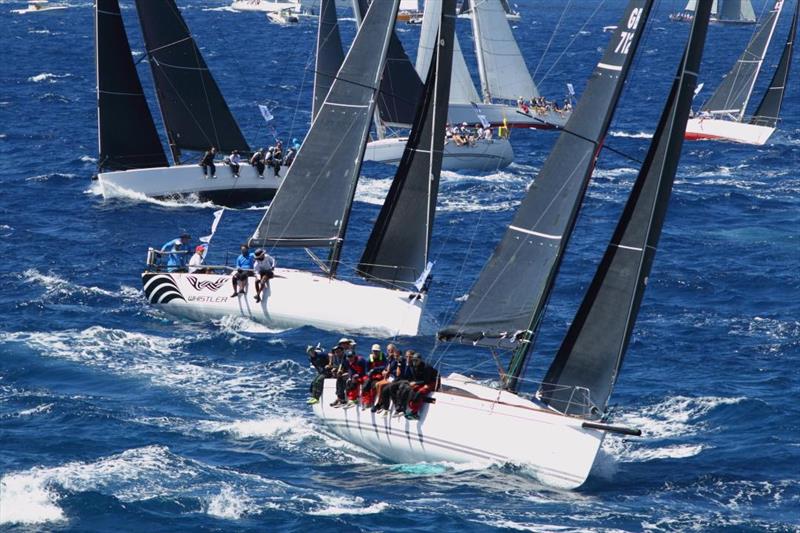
(178, 252)
(244, 269)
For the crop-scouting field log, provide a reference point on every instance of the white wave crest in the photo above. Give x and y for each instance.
(629, 135)
(230, 503)
(340, 505)
(111, 191)
(55, 284)
(48, 77)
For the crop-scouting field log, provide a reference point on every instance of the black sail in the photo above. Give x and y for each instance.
(329, 53)
(195, 113)
(591, 354)
(505, 303)
(401, 86)
(312, 205)
(731, 97)
(770, 107)
(397, 250)
(127, 135)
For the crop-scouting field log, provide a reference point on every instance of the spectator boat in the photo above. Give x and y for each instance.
(39, 6)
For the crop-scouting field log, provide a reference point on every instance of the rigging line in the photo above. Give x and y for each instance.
(574, 37)
(552, 37)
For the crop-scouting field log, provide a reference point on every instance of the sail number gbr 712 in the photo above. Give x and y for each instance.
(626, 37)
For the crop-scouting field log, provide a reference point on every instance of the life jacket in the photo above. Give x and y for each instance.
(377, 361)
(357, 366)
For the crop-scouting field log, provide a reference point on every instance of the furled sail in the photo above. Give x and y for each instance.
(591, 354)
(312, 205)
(462, 89)
(127, 135)
(397, 250)
(731, 97)
(505, 303)
(770, 107)
(194, 111)
(329, 53)
(504, 74)
(401, 87)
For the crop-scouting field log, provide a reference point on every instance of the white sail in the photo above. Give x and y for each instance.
(409, 5)
(462, 89)
(504, 74)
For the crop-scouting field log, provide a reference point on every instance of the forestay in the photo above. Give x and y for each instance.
(313, 203)
(127, 135)
(591, 354)
(398, 248)
(770, 107)
(329, 53)
(731, 97)
(506, 301)
(195, 113)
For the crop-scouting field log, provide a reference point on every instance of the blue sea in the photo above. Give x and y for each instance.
(114, 416)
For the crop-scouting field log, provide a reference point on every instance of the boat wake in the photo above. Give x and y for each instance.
(119, 193)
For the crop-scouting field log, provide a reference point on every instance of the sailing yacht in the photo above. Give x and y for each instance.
(722, 117)
(312, 208)
(557, 431)
(723, 11)
(465, 8)
(193, 110)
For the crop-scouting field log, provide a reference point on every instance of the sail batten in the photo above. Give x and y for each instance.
(127, 135)
(506, 301)
(329, 53)
(311, 208)
(194, 111)
(397, 251)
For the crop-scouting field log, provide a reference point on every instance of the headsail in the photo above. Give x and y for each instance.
(592, 352)
(126, 133)
(736, 11)
(397, 250)
(329, 53)
(194, 111)
(731, 97)
(505, 303)
(503, 71)
(770, 107)
(312, 205)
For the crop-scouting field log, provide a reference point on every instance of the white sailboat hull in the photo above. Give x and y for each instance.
(495, 113)
(482, 156)
(295, 299)
(185, 180)
(727, 130)
(472, 423)
(264, 6)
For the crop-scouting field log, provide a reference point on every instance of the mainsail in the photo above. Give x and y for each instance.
(770, 106)
(329, 53)
(397, 250)
(504, 74)
(312, 205)
(731, 97)
(195, 113)
(591, 354)
(127, 135)
(506, 302)
(736, 11)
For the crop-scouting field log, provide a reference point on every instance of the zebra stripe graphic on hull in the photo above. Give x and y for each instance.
(161, 288)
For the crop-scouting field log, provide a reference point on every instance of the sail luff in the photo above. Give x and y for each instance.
(397, 251)
(486, 92)
(593, 350)
(329, 53)
(505, 304)
(770, 107)
(126, 134)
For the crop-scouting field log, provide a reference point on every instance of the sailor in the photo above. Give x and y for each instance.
(277, 153)
(257, 161)
(375, 367)
(196, 262)
(318, 359)
(389, 374)
(487, 134)
(176, 251)
(244, 269)
(290, 155)
(336, 365)
(390, 393)
(295, 144)
(207, 162)
(264, 266)
(356, 370)
(235, 161)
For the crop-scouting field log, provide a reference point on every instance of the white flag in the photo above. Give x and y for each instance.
(265, 112)
(571, 89)
(697, 90)
(485, 123)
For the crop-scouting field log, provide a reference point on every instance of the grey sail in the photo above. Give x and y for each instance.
(401, 86)
(770, 107)
(195, 113)
(736, 11)
(731, 97)
(312, 205)
(397, 250)
(505, 303)
(126, 133)
(329, 53)
(592, 352)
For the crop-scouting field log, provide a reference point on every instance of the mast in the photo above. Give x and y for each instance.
(397, 251)
(592, 352)
(329, 53)
(506, 302)
(770, 107)
(126, 134)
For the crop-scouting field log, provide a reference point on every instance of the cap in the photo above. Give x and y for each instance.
(352, 341)
(463, 123)
(199, 249)
(376, 347)
(259, 253)
(343, 340)
(310, 348)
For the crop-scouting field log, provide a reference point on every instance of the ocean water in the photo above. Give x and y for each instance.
(115, 416)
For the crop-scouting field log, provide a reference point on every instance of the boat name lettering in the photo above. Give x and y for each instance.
(207, 299)
(626, 37)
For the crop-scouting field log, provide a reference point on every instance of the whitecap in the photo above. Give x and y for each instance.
(48, 77)
(344, 505)
(629, 135)
(109, 190)
(230, 503)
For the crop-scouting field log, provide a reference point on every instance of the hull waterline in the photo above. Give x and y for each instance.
(482, 156)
